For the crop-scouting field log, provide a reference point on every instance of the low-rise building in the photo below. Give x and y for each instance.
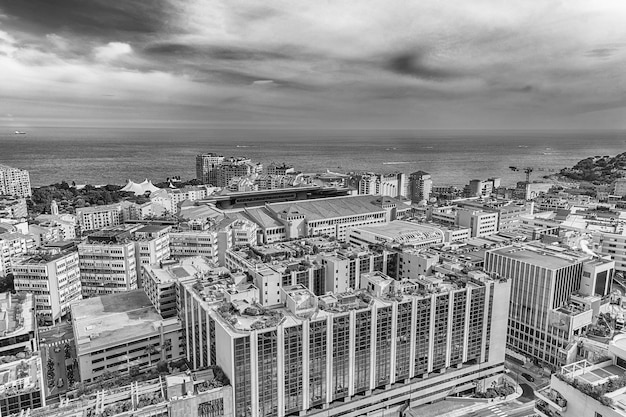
(21, 385)
(115, 333)
(13, 207)
(12, 245)
(98, 217)
(481, 223)
(17, 323)
(397, 232)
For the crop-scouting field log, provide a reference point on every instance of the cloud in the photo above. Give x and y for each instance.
(381, 62)
(112, 51)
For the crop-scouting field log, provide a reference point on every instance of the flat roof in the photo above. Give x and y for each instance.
(544, 257)
(397, 228)
(113, 319)
(325, 208)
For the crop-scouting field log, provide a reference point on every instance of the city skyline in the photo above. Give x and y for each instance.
(304, 64)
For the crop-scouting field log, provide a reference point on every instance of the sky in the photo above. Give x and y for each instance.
(473, 64)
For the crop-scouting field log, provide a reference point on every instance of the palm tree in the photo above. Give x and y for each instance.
(166, 345)
(150, 349)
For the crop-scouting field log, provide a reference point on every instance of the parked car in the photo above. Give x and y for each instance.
(57, 349)
(528, 377)
(60, 383)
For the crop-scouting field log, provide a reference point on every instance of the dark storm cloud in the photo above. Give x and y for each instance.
(601, 52)
(412, 64)
(96, 18)
(226, 53)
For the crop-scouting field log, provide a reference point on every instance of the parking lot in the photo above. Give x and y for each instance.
(59, 358)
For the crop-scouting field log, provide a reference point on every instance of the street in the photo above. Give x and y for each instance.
(58, 354)
(510, 409)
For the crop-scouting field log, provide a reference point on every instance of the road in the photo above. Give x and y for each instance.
(510, 409)
(52, 343)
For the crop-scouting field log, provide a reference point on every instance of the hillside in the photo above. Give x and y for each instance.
(598, 170)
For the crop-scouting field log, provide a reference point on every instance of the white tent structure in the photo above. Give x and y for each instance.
(140, 188)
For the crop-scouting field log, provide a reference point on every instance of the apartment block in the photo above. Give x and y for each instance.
(481, 223)
(98, 217)
(53, 277)
(12, 245)
(13, 207)
(14, 182)
(108, 262)
(22, 385)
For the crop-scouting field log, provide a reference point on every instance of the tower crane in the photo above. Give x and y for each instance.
(526, 170)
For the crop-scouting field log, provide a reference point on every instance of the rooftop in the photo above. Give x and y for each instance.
(330, 207)
(112, 319)
(402, 231)
(16, 315)
(549, 257)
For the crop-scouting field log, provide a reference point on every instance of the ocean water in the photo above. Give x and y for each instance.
(111, 156)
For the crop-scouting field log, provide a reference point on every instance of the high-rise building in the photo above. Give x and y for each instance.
(352, 353)
(545, 312)
(107, 262)
(206, 165)
(54, 277)
(613, 245)
(14, 181)
(420, 186)
(152, 245)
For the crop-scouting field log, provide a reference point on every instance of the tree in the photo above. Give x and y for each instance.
(150, 349)
(7, 283)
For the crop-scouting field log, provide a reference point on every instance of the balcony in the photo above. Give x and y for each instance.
(543, 409)
(553, 398)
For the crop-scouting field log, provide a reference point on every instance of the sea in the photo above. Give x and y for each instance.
(453, 157)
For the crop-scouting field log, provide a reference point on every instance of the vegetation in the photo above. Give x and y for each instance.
(597, 169)
(70, 197)
(597, 392)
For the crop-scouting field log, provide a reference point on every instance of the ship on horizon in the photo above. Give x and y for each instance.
(17, 132)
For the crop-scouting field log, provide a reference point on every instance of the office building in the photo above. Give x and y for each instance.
(206, 165)
(108, 262)
(14, 182)
(66, 223)
(420, 186)
(115, 333)
(211, 244)
(13, 207)
(160, 280)
(17, 323)
(392, 343)
(544, 280)
(53, 277)
(481, 223)
(98, 217)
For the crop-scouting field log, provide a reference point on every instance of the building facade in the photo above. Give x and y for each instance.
(98, 217)
(53, 278)
(14, 182)
(350, 353)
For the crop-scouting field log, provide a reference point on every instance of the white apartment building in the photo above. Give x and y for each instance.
(14, 181)
(208, 243)
(613, 245)
(13, 245)
(152, 245)
(98, 217)
(481, 223)
(53, 278)
(108, 265)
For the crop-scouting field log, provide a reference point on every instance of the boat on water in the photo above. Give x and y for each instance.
(17, 132)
